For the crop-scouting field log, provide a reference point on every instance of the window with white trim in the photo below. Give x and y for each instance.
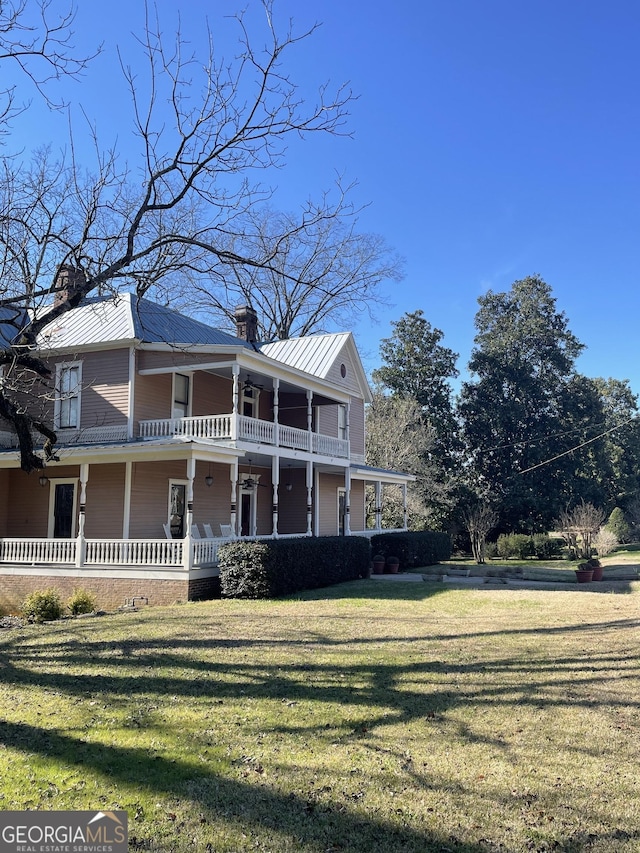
(250, 397)
(342, 422)
(67, 405)
(181, 395)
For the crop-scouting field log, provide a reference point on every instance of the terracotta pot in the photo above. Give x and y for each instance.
(597, 573)
(584, 575)
(393, 565)
(378, 567)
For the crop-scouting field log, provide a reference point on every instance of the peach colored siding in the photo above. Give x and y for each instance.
(150, 496)
(105, 388)
(105, 500)
(292, 506)
(356, 425)
(328, 504)
(349, 382)
(212, 395)
(28, 510)
(328, 420)
(357, 521)
(153, 398)
(4, 501)
(148, 360)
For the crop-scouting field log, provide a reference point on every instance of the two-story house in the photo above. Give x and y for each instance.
(173, 438)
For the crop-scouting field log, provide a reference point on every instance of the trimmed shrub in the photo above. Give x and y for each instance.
(545, 547)
(517, 545)
(413, 548)
(81, 601)
(282, 566)
(42, 606)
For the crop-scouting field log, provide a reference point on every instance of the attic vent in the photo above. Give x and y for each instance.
(343, 370)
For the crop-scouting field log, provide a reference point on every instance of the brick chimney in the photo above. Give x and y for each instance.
(68, 282)
(246, 324)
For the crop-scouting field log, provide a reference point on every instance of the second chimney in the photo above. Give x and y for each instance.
(246, 324)
(68, 281)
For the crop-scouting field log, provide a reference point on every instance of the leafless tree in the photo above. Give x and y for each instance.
(183, 210)
(36, 46)
(578, 527)
(321, 269)
(398, 439)
(478, 522)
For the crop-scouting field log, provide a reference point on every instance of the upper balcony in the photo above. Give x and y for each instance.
(230, 429)
(240, 428)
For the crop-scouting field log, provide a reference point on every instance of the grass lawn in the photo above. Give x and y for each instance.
(368, 718)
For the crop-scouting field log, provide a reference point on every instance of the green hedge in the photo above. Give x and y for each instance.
(278, 567)
(413, 548)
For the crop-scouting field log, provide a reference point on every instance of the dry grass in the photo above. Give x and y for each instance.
(370, 717)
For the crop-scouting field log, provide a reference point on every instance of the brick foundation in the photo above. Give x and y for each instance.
(110, 592)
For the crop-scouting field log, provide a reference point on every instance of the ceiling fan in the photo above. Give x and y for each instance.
(251, 386)
(250, 482)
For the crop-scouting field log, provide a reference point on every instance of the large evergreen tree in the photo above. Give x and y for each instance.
(522, 363)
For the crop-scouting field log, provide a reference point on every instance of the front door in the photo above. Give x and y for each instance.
(63, 510)
(177, 506)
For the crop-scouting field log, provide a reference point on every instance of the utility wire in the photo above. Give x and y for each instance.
(577, 447)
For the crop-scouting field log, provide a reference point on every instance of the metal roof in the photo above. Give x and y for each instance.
(313, 354)
(124, 319)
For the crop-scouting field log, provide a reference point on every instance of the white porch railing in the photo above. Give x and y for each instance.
(44, 551)
(210, 426)
(133, 552)
(221, 427)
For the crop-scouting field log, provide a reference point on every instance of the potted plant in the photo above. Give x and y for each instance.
(393, 565)
(584, 573)
(378, 564)
(596, 565)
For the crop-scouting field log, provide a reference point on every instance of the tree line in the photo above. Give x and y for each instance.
(527, 438)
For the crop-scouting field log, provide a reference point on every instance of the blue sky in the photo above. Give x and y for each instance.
(491, 140)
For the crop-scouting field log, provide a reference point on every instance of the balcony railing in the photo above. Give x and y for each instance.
(242, 428)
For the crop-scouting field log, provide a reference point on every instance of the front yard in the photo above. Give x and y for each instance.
(366, 717)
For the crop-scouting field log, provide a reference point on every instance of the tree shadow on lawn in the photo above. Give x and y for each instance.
(383, 694)
(256, 807)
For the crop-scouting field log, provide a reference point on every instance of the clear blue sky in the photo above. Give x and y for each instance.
(491, 140)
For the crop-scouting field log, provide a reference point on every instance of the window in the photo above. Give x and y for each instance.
(342, 422)
(181, 395)
(67, 407)
(250, 402)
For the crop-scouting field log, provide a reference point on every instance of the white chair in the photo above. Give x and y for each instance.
(195, 533)
(167, 530)
(226, 530)
(208, 532)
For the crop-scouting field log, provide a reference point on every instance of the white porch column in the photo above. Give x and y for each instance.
(348, 425)
(275, 479)
(233, 516)
(126, 505)
(235, 371)
(187, 545)
(310, 419)
(378, 505)
(347, 502)
(276, 407)
(81, 547)
(131, 395)
(404, 505)
(309, 498)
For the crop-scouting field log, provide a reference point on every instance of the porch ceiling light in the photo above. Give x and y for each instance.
(209, 479)
(43, 480)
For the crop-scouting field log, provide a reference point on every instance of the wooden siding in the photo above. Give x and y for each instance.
(357, 507)
(153, 398)
(212, 504)
(292, 506)
(356, 425)
(105, 502)
(28, 508)
(212, 395)
(349, 382)
(149, 360)
(150, 496)
(105, 388)
(328, 504)
(4, 500)
(328, 420)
